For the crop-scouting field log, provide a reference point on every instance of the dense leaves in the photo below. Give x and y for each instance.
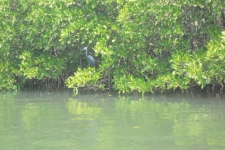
(138, 46)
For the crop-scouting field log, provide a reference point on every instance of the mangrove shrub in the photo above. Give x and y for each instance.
(138, 45)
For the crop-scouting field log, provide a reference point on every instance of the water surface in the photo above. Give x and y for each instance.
(58, 120)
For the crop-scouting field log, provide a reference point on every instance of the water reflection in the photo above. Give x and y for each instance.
(60, 121)
(83, 109)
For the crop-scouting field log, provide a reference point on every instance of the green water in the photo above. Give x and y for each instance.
(45, 121)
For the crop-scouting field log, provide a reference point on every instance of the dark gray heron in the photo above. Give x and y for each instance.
(90, 59)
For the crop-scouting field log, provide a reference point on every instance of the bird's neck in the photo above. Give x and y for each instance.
(86, 52)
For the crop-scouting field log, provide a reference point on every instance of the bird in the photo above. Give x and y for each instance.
(90, 59)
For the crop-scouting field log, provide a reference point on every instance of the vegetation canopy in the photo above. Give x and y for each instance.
(137, 45)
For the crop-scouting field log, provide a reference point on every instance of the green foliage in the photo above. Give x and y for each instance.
(40, 67)
(82, 78)
(7, 79)
(215, 57)
(141, 45)
(202, 67)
